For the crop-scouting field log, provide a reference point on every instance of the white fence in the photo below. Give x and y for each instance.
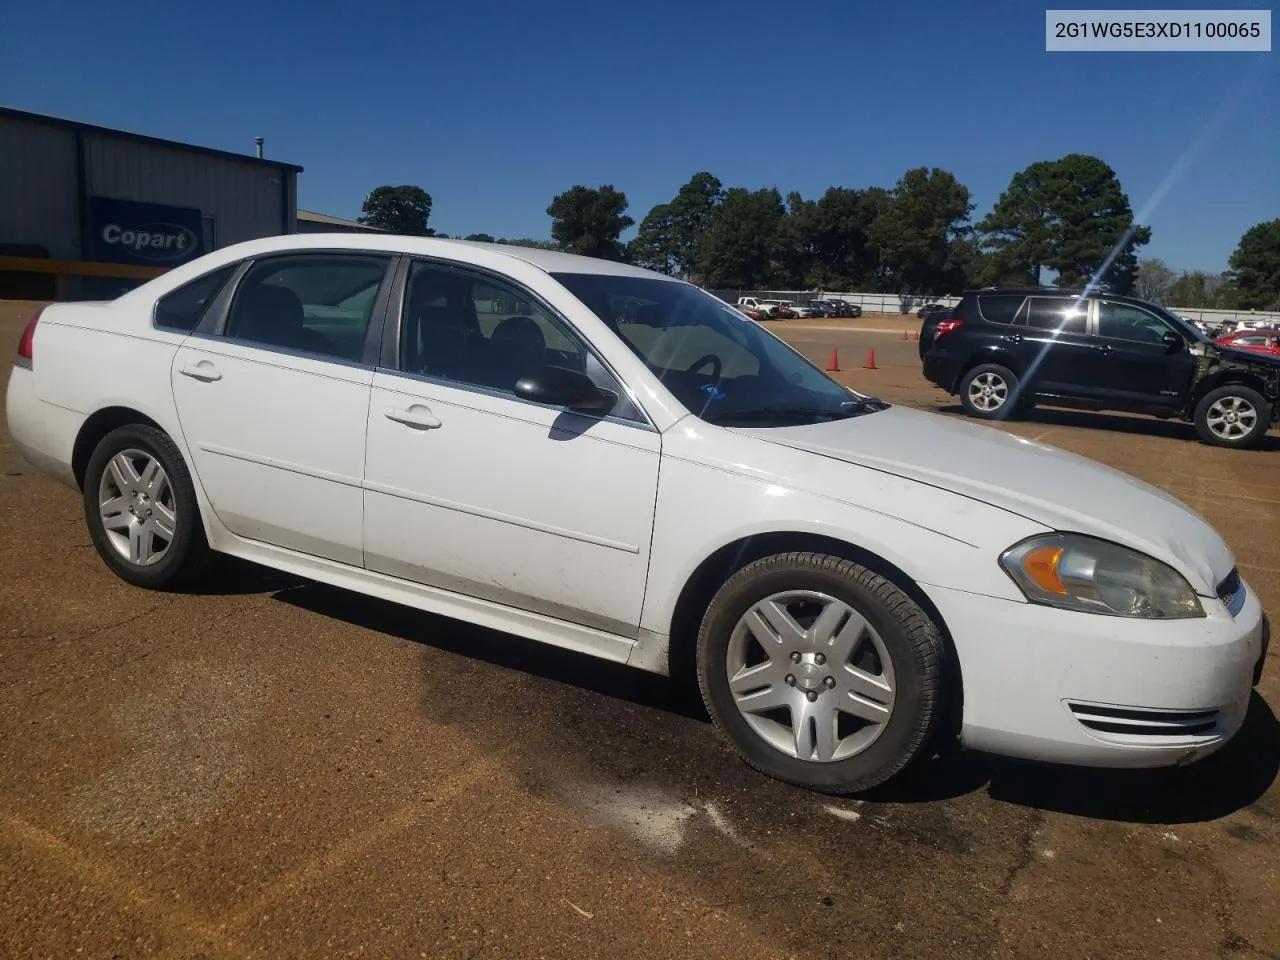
(902, 303)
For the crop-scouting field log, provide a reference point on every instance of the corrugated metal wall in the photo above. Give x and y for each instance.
(38, 203)
(246, 200)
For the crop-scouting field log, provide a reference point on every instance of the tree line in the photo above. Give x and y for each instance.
(1070, 217)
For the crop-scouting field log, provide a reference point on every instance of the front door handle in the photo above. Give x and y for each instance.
(204, 370)
(418, 415)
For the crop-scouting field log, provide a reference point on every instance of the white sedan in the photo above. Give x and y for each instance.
(606, 459)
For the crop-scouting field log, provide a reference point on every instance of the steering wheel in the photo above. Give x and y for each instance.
(703, 361)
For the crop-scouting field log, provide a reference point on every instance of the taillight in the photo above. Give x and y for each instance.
(27, 343)
(946, 326)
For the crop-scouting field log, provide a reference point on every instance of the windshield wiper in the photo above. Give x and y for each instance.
(871, 403)
(800, 414)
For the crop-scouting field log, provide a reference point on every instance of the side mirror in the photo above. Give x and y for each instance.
(561, 387)
(1171, 340)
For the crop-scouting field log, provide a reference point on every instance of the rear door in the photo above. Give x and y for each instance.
(273, 399)
(1053, 350)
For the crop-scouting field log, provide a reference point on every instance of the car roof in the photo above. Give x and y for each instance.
(550, 261)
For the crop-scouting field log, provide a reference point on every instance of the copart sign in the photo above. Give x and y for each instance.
(125, 231)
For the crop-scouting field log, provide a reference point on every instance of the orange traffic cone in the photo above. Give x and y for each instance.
(871, 359)
(834, 362)
(904, 334)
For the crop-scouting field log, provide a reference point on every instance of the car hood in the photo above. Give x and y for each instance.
(1248, 356)
(1058, 489)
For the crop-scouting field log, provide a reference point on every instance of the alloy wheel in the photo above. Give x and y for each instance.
(811, 676)
(137, 506)
(1231, 418)
(988, 391)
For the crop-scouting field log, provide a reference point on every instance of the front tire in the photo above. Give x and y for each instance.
(990, 392)
(820, 672)
(141, 509)
(1233, 416)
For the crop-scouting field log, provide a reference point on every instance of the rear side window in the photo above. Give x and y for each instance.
(182, 309)
(1000, 307)
(1066, 316)
(313, 303)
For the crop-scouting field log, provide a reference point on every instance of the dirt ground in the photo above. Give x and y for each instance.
(270, 768)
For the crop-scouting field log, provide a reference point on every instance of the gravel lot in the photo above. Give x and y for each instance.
(270, 768)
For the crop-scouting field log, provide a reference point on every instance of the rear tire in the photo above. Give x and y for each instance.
(141, 509)
(1233, 416)
(820, 672)
(990, 392)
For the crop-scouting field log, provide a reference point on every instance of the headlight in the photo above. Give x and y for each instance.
(1076, 572)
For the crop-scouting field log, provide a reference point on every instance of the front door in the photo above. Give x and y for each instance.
(1138, 369)
(469, 489)
(274, 405)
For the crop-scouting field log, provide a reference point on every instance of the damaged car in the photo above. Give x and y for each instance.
(1003, 350)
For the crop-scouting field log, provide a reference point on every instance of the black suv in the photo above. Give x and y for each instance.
(1003, 350)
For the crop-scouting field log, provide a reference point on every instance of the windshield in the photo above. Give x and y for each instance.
(720, 365)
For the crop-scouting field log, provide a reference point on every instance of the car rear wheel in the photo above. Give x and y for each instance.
(140, 507)
(1232, 416)
(990, 392)
(819, 672)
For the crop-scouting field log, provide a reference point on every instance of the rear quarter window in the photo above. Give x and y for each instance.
(1001, 307)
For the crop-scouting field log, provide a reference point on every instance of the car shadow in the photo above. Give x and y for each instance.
(1229, 780)
(1219, 785)
(503, 650)
(1112, 422)
(231, 576)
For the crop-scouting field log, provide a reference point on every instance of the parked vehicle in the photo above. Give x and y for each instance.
(769, 308)
(846, 309)
(754, 313)
(591, 455)
(930, 309)
(799, 309)
(1003, 350)
(821, 308)
(781, 309)
(1260, 339)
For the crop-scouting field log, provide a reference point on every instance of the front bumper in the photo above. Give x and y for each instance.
(1052, 685)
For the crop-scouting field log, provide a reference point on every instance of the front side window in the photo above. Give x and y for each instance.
(183, 309)
(721, 366)
(1121, 321)
(469, 329)
(313, 303)
(1058, 313)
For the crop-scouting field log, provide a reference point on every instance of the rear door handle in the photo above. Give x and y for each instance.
(204, 370)
(418, 415)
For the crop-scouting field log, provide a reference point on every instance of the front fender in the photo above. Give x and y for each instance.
(703, 508)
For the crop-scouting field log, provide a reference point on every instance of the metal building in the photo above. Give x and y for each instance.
(73, 191)
(311, 222)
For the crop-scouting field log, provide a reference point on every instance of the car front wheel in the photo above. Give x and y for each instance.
(1232, 416)
(820, 672)
(140, 507)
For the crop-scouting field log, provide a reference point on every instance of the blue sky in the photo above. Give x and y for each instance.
(494, 108)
